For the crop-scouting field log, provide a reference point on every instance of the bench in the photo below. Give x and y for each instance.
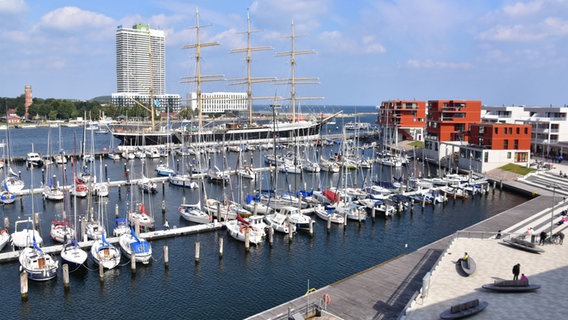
(464, 310)
(511, 283)
(523, 242)
(464, 306)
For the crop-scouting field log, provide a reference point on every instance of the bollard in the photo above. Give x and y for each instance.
(270, 236)
(311, 228)
(101, 272)
(116, 210)
(220, 248)
(133, 263)
(197, 244)
(66, 276)
(247, 240)
(166, 257)
(24, 285)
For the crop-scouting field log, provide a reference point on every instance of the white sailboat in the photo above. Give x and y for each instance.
(104, 253)
(133, 245)
(38, 264)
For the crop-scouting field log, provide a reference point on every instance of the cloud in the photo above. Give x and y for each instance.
(74, 19)
(10, 7)
(429, 64)
(550, 27)
(523, 8)
(339, 42)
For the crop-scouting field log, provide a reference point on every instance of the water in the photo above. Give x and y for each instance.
(236, 286)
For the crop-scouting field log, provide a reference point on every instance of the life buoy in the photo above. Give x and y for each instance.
(2, 231)
(326, 299)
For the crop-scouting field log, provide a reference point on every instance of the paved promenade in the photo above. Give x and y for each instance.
(386, 290)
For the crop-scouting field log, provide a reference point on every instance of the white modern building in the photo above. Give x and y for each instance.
(504, 114)
(141, 67)
(219, 102)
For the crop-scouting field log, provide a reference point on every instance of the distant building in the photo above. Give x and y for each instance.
(219, 102)
(402, 119)
(141, 68)
(12, 117)
(28, 100)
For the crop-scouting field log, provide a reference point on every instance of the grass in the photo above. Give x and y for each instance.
(515, 168)
(417, 144)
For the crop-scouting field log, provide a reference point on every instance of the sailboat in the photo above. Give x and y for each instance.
(133, 245)
(4, 238)
(38, 264)
(12, 182)
(71, 253)
(104, 253)
(6, 197)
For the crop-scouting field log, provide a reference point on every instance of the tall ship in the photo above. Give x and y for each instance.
(232, 132)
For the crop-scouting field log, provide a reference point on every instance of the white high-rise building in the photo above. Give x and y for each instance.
(141, 66)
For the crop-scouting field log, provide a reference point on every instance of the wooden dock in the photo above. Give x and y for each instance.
(383, 291)
(152, 235)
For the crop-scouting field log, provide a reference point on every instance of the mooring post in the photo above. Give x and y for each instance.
(373, 212)
(197, 244)
(116, 210)
(311, 228)
(7, 223)
(163, 206)
(270, 235)
(220, 248)
(101, 272)
(328, 224)
(247, 240)
(133, 264)
(66, 276)
(166, 257)
(24, 285)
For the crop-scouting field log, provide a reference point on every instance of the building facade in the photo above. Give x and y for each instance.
(407, 117)
(141, 67)
(219, 102)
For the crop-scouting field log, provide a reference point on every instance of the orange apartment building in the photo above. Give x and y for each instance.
(492, 145)
(407, 117)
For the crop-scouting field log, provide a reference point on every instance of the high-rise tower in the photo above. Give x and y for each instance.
(141, 67)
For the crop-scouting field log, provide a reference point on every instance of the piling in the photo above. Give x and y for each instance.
(101, 272)
(270, 235)
(36, 220)
(500, 185)
(163, 206)
(494, 185)
(66, 276)
(220, 248)
(197, 244)
(166, 257)
(359, 216)
(311, 228)
(83, 227)
(219, 211)
(116, 211)
(247, 240)
(24, 285)
(133, 263)
(163, 188)
(137, 227)
(106, 172)
(373, 212)
(7, 223)
(290, 231)
(328, 224)
(255, 209)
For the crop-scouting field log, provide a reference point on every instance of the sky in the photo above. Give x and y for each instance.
(365, 51)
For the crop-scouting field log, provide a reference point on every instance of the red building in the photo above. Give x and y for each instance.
(407, 116)
(449, 120)
(501, 136)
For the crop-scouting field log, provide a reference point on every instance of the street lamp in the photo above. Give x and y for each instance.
(552, 209)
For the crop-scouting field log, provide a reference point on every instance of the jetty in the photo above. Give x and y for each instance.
(405, 283)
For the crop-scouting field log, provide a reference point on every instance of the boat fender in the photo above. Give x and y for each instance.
(326, 299)
(2, 231)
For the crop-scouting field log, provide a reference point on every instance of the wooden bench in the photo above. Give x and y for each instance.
(465, 309)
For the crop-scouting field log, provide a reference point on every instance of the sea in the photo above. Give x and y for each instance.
(238, 284)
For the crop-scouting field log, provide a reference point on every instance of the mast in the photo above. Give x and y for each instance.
(249, 80)
(293, 80)
(199, 78)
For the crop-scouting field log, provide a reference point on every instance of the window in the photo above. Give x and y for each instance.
(518, 130)
(486, 157)
(508, 155)
(516, 144)
(496, 130)
(526, 130)
(505, 144)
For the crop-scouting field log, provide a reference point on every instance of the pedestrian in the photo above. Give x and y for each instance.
(516, 271)
(543, 236)
(524, 278)
(498, 236)
(560, 237)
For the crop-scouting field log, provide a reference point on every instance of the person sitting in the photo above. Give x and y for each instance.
(465, 256)
(562, 220)
(524, 278)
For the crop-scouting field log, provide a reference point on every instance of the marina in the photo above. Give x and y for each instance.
(371, 242)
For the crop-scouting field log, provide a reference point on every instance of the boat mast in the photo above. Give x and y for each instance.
(250, 80)
(293, 80)
(199, 78)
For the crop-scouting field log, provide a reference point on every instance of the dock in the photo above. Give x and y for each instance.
(151, 235)
(385, 290)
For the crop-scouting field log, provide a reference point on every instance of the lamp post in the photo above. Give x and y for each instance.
(552, 209)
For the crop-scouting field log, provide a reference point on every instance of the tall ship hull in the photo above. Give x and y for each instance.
(229, 134)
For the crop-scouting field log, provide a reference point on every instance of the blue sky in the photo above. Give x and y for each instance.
(498, 51)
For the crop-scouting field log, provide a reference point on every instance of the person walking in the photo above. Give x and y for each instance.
(543, 236)
(516, 271)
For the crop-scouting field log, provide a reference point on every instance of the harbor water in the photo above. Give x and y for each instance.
(238, 284)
